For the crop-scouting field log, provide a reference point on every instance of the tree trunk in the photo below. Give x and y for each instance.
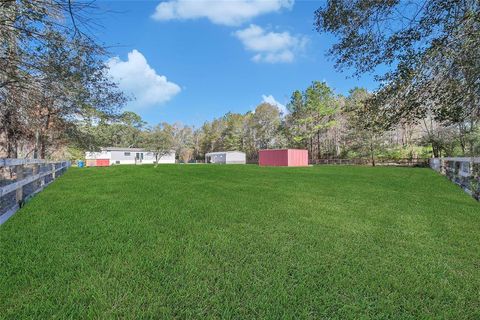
(372, 154)
(37, 141)
(311, 148)
(43, 139)
(461, 137)
(435, 150)
(319, 153)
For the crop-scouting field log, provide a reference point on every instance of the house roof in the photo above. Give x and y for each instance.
(282, 149)
(122, 149)
(127, 149)
(222, 152)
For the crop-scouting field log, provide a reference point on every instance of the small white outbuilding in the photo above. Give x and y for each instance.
(226, 157)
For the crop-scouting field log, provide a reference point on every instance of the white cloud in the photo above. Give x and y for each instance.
(135, 77)
(271, 100)
(225, 12)
(271, 47)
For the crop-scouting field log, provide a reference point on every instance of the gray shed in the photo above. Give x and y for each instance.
(226, 157)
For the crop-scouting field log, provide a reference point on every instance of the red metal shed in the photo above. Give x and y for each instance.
(102, 162)
(283, 157)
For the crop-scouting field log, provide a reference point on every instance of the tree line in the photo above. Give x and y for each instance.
(426, 57)
(328, 124)
(52, 74)
(57, 100)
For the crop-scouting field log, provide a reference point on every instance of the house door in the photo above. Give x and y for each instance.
(139, 157)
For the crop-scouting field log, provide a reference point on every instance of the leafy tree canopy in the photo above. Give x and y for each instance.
(429, 49)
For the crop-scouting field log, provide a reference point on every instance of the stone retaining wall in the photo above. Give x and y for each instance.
(464, 172)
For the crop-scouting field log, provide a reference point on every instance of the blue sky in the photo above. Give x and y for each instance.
(190, 61)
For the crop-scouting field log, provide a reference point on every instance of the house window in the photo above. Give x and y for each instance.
(117, 162)
(126, 154)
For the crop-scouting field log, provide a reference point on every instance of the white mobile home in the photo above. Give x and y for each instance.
(226, 157)
(112, 156)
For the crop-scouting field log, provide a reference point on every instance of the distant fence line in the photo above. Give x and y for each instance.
(364, 162)
(20, 179)
(378, 162)
(464, 171)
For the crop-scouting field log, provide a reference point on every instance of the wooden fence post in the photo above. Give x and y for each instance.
(42, 181)
(20, 169)
(19, 192)
(34, 172)
(53, 171)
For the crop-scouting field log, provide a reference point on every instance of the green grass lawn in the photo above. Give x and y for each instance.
(243, 242)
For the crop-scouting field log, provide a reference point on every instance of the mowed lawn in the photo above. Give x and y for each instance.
(243, 242)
